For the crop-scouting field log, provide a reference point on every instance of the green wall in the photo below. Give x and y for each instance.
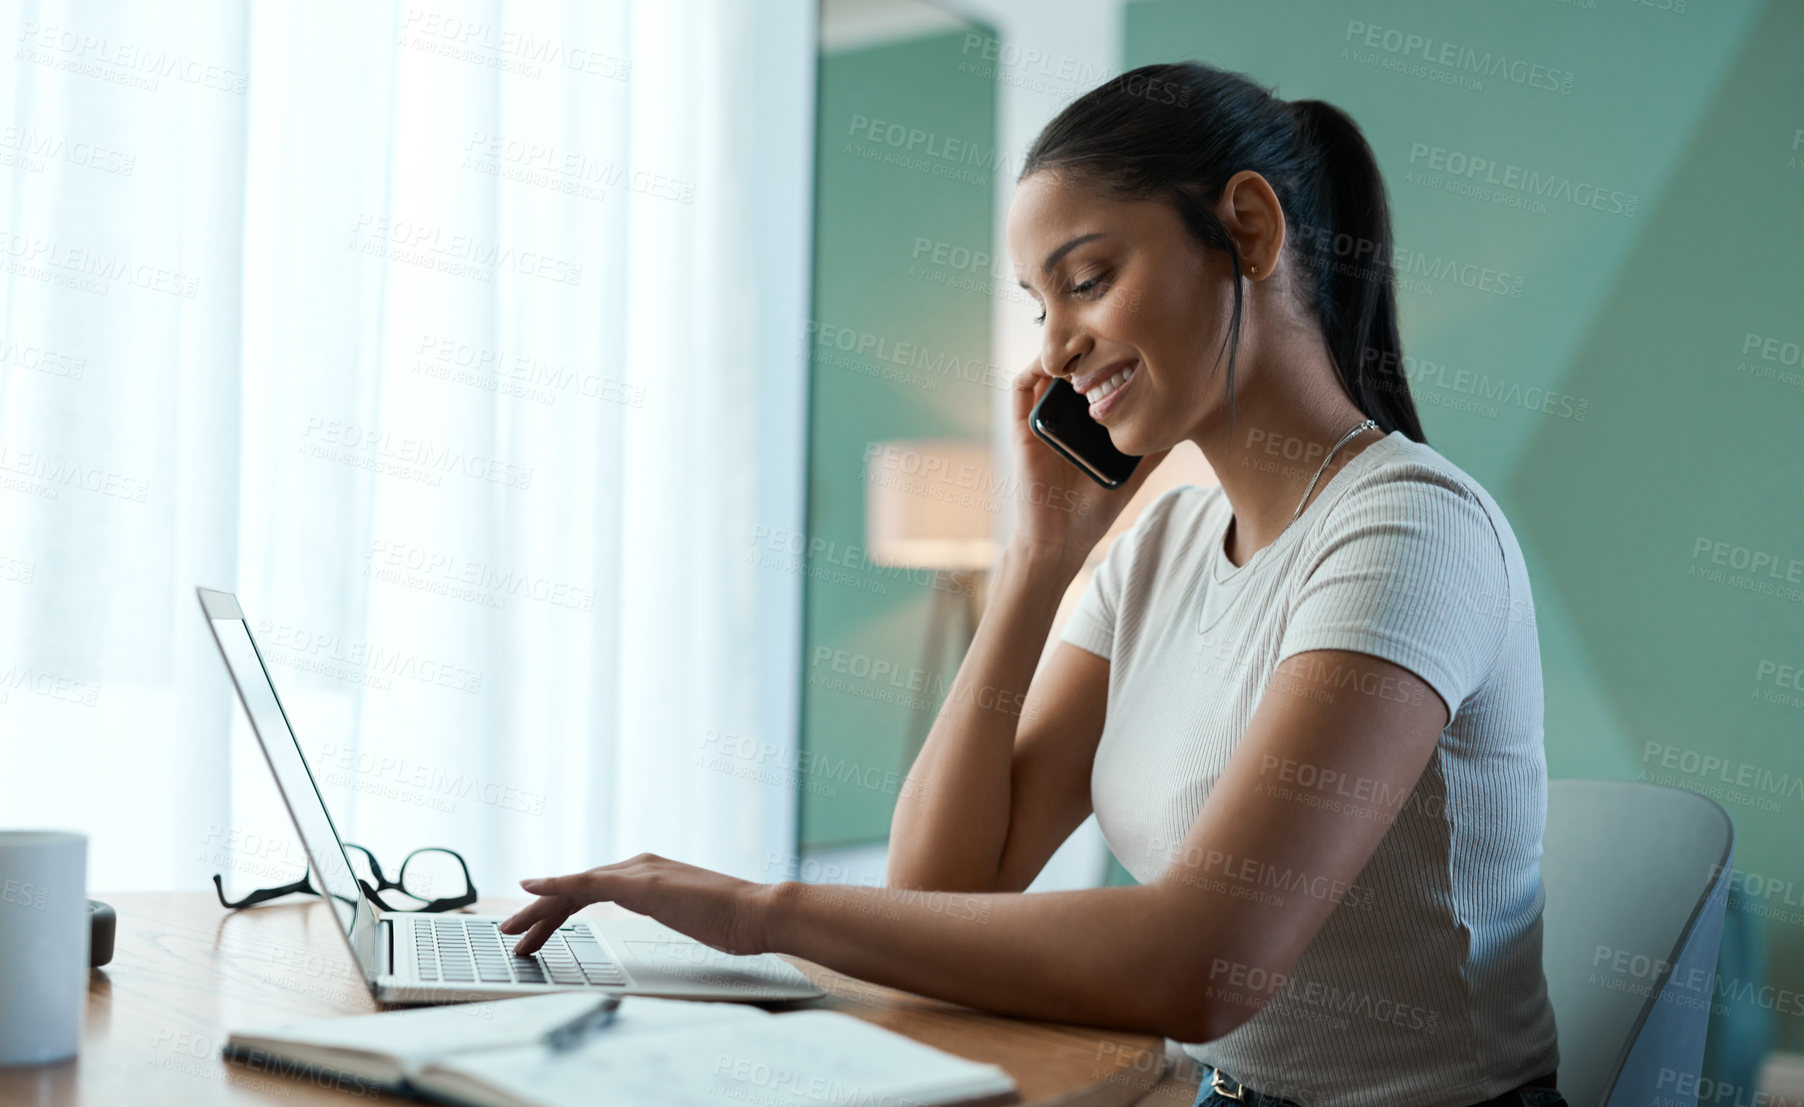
(899, 349)
(1610, 382)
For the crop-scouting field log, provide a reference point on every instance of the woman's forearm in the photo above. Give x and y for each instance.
(1131, 958)
(952, 817)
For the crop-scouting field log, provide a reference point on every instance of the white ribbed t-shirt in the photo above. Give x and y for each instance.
(1424, 987)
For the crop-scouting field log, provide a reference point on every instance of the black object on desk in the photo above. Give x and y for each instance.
(103, 924)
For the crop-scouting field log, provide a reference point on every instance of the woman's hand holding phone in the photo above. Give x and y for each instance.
(1059, 510)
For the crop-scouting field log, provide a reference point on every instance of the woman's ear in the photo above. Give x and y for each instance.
(1251, 214)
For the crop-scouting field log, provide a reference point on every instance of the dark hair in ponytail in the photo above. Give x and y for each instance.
(1179, 131)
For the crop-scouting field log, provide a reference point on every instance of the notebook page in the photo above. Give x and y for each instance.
(414, 1035)
(804, 1058)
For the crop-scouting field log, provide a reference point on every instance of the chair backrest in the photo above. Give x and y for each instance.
(1636, 878)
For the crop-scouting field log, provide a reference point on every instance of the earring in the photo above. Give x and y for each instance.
(1252, 270)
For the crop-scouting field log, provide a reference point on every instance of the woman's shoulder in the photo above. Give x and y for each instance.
(1184, 502)
(1408, 494)
(1400, 462)
(1416, 545)
(1407, 477)
(1170, 524)
(1181, 513)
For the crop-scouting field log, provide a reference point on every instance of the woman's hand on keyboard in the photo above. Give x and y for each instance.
(714, 909)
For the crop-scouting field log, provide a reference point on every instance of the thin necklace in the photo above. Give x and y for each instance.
(1344, 439)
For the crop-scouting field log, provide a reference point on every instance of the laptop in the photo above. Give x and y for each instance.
(414, 958)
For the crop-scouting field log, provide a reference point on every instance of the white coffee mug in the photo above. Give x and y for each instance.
(43, 945)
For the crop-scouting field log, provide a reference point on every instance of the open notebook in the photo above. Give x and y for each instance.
(657, 1051)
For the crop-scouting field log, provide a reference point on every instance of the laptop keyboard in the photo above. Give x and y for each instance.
(471, 951)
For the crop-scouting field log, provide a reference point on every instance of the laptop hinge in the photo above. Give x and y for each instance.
(388, 950)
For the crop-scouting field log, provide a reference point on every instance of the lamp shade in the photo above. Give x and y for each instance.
(931, 503)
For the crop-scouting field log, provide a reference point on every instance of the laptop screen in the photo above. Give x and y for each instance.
(331, 875)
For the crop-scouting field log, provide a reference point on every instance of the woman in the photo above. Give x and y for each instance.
(1305, 706)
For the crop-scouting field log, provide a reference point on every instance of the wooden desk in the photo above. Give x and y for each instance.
(185, 972)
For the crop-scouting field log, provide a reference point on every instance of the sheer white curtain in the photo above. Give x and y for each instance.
(461, 340)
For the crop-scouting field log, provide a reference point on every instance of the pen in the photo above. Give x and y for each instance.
(574, 1032)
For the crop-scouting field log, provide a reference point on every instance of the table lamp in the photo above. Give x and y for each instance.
(933, 504)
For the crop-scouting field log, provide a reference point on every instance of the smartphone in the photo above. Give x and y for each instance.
(1062, 420)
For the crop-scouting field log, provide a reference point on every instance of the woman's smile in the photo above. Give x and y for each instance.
(1105, 394)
